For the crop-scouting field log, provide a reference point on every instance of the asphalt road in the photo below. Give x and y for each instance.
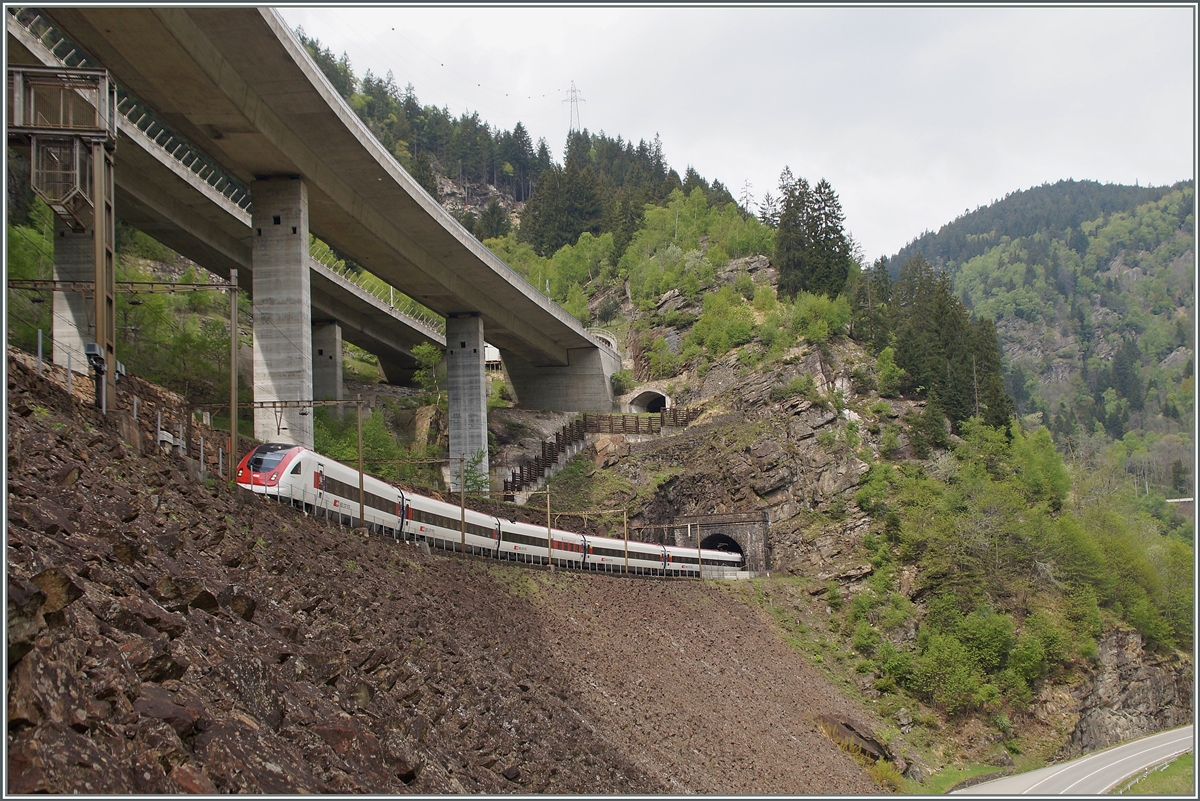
(1092, 774)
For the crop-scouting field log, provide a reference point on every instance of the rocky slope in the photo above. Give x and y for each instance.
(167, 634)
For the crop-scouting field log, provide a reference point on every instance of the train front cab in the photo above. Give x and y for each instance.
(260, 469)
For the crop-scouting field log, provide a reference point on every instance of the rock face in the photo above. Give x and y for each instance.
(170, 636)
(1131, 694)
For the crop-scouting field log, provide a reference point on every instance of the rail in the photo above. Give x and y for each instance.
(606, 336)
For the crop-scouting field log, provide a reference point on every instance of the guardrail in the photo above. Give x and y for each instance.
(137, 113)
(376, 287)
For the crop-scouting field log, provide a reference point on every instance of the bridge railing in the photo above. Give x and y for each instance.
(204, 167)
(380, 289)
(137, 113)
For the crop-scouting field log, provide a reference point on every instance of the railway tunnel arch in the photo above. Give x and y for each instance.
(723, 542)
(651, 400)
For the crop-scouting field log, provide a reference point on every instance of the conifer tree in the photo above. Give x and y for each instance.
(793, 234)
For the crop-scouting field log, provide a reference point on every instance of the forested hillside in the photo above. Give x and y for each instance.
(1091, 288)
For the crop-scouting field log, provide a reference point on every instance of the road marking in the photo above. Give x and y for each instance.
(1119, 761)
(1076, 763)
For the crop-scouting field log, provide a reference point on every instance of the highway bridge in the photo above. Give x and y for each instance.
(235, 86)
(172, 192)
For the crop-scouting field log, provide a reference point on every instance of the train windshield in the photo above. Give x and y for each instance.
(267, 457)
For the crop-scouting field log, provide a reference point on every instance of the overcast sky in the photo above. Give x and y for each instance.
(915, 115)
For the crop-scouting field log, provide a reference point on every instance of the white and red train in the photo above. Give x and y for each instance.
(294, 474)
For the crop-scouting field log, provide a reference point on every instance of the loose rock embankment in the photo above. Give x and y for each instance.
(169, 635)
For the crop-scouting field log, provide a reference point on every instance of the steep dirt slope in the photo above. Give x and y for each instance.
(170, 635)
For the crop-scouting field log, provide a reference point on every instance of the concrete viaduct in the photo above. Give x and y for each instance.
(236, 86)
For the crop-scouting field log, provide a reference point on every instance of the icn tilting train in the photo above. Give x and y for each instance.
(294, 474)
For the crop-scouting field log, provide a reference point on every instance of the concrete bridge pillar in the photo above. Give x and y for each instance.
(283, 355)
(466, 377)
(327, 362)
(74, 260)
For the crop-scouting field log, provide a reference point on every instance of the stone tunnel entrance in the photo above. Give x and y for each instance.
(743, 533)
(649, 401)
(723, 542)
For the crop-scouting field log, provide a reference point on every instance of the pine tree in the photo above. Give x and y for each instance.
(422, 172)
(493, 222)
(793, 234)
(829, 262)
(768, 211)
(873, 321)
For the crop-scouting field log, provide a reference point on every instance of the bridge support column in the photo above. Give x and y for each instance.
(74, 260)
(283, 364)
(327, 363)
(466, 377)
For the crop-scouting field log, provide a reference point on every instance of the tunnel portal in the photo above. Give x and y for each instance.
(650, 401)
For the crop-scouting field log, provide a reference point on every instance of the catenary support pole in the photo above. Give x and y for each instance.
(462, 501)
(625, 523)
(362, 499)
(233, 367)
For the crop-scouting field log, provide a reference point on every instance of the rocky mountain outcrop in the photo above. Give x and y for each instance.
(1131, 693)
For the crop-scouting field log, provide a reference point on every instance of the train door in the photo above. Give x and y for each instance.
(319, 485)
(496, 549)
(583, 561)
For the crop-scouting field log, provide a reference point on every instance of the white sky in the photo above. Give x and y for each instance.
(915, 115)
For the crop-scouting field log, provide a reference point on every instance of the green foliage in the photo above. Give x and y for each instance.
(946, 675)
(800, 386)
(890, 375)
(475, 480)
(989, 637)
(811, 248)
(429, 359)
(622, 382)
(817, 318)
(30, 255)
(726, 322)
(493, 222)
(1103, 265)
(663, 362)
(337, 437)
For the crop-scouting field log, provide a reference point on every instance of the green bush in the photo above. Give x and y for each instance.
(866, 638)
(989, 637)
(946, 674)
(890, 375)
(833, 596)
(801, 386)
(1028, 657)
(662, 361)
(622, 382)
